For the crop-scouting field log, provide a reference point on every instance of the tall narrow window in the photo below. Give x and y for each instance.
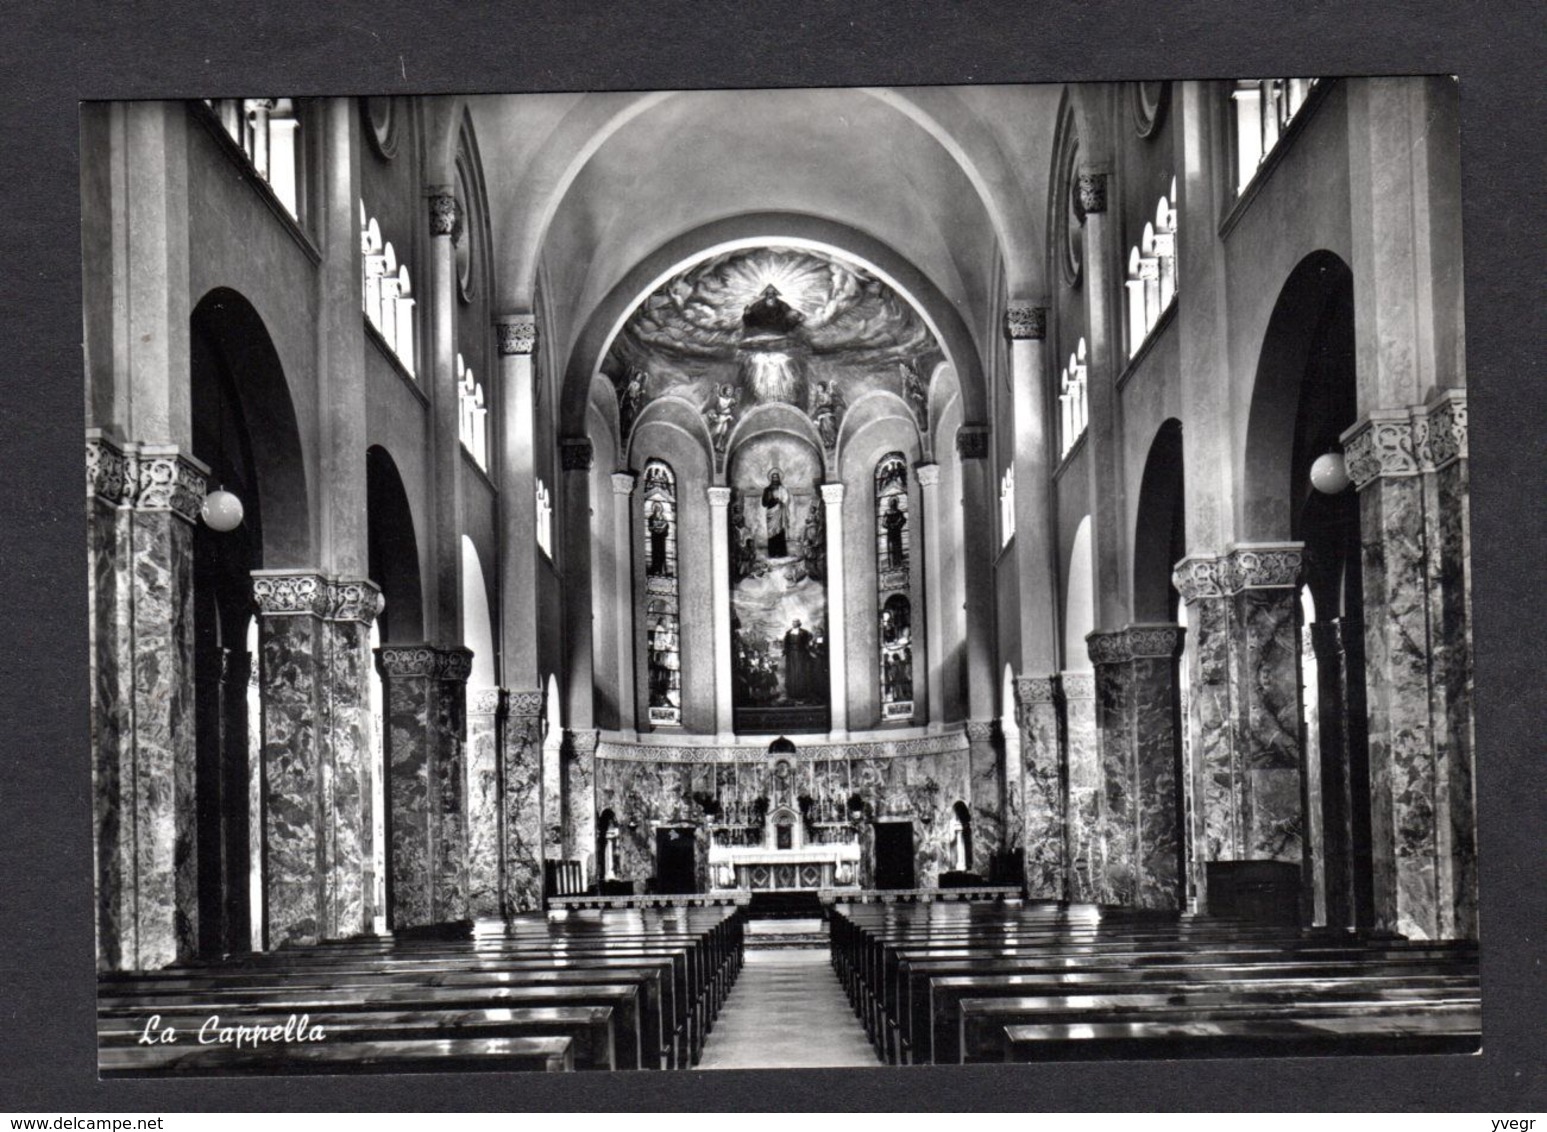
(1007, 506)
(893, 584)
(386, 292)
(1073, 409)
(544, 519)
(1152, 272)
(1263, 110)
(474, 419)
(662, 626)
(268, 131)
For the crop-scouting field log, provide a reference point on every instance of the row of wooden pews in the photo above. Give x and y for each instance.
(943, 983)
(587, 989)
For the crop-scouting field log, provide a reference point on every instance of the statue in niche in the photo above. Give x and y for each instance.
(800, 676)
(721, 415)
(776, 515)
(813, 542)
(826, 411)
(914, 389)
(660, 527)
(769, 314)
(893, 521)
(633, 397)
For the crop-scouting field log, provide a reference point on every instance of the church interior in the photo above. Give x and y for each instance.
(572, 575)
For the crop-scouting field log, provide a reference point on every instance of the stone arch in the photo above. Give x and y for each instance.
(392, 550)
(673, 412)
(477, 624)
(1160, 529)
(230, 335)
(777, 417)
(1319, 290)
(1079, 599)
(874, 407)
(751, 230)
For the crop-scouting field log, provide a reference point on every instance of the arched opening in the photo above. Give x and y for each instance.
(961, 838)
(1160, 533)
(553, 773)
(392, 563)
(477, 625)
(244, 430)
(1079, 601)
(1303, 399)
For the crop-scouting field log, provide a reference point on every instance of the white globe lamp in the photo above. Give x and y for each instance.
(222, 511)
(1329, 474)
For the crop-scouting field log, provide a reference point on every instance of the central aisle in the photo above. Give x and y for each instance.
(787, 1011)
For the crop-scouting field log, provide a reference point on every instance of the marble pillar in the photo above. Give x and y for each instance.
(516, 342)
(521, 753)
(934, 602)
(1043, 791)
(1157, 763)
(1137, 740)
(1082, 803)
(1116, 876)
(293, 658)
(483, 801)
(1410, 469)
(837, 623)
(425, 689)
(720, 585)
(143, 500)
(1244, 707)
(985, 786)
(347, 845)
(580, 790)
(1341, 892)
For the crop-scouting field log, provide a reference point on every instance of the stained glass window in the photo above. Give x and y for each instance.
(893, 583)
(663, 640)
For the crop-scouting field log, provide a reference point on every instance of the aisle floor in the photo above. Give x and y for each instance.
(787, 1011)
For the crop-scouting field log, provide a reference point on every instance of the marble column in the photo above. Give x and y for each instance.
(440, 348)
(1261, 582)
(837, 626)
(293, 650)
(1082, 803)
(623, 596)
(1157, 761)
(143, 502)
(978, 504)
(1332, 750)
(425, 689)
(720, 587)
(986, 790)
(483, 801)
(1136, 704)
(1043, 801)
(1215, 828)
(580, 789)
(934, 610)
(1410, 469)
(347, 844)
(521, 753)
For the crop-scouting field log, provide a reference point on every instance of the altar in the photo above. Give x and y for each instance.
(786, 853)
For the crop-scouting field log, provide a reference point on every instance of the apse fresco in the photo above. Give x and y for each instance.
(778, 586)
(771, 325)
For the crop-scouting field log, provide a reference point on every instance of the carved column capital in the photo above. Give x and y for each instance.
(524, 707)
(1199, 577)
(1439, 430)
(972, 442)
(1380, 446)
(1033, 690)
(354, 599)
(1108, 648)
(455, 663)
(445, 215)
(584, 742)
(167, 479)
(719, 497)
(1162, 641)
(623, 483)
(1090, 192)
(928, 475)
(399, 661)
(1262, 566)
(575, 453)
(111, 473)
(290, 593)
(1023, 320)
(515, 334)
(485, 701)
(980, 730)
(832, 493)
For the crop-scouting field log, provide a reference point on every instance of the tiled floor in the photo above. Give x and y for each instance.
(787, 1011)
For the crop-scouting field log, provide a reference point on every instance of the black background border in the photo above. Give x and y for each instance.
(61, 53)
